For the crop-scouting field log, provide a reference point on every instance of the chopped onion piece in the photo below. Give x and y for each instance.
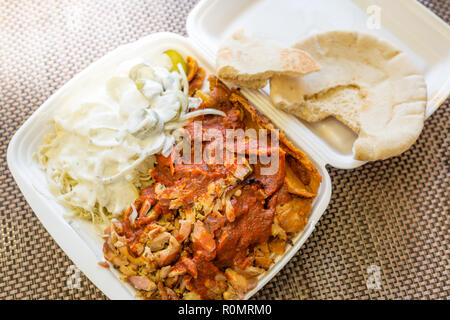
(133, 214)
(194, 103)
(168, 146)
(184, 79)
(175, 125)
(197, 113)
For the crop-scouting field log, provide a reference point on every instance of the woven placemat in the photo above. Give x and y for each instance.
(384, 235)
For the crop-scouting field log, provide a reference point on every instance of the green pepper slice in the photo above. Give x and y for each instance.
(176, 58)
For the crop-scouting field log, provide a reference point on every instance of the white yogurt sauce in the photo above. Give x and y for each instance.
(94, 157)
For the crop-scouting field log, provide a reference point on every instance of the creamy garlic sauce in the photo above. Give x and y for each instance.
(97, 151)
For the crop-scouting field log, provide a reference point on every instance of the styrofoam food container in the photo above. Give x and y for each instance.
(79, 239)
(405, 23)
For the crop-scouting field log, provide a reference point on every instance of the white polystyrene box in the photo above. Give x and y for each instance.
(406, 24)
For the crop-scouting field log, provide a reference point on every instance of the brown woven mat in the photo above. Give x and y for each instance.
(386, 219)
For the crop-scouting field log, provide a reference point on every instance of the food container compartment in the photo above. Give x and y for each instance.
(80, 240)
(405, 23)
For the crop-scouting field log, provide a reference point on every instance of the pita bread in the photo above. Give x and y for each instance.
(367, 84)
(250, 63)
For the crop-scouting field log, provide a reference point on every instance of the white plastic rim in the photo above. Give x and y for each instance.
(79, 239)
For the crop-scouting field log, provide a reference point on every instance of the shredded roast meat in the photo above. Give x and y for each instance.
(208, 230)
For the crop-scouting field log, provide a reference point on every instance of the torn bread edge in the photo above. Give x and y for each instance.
(249, 63)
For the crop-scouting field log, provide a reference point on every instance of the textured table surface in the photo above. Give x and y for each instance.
(388, 218)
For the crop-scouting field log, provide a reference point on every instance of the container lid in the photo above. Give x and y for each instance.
(290, 20)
